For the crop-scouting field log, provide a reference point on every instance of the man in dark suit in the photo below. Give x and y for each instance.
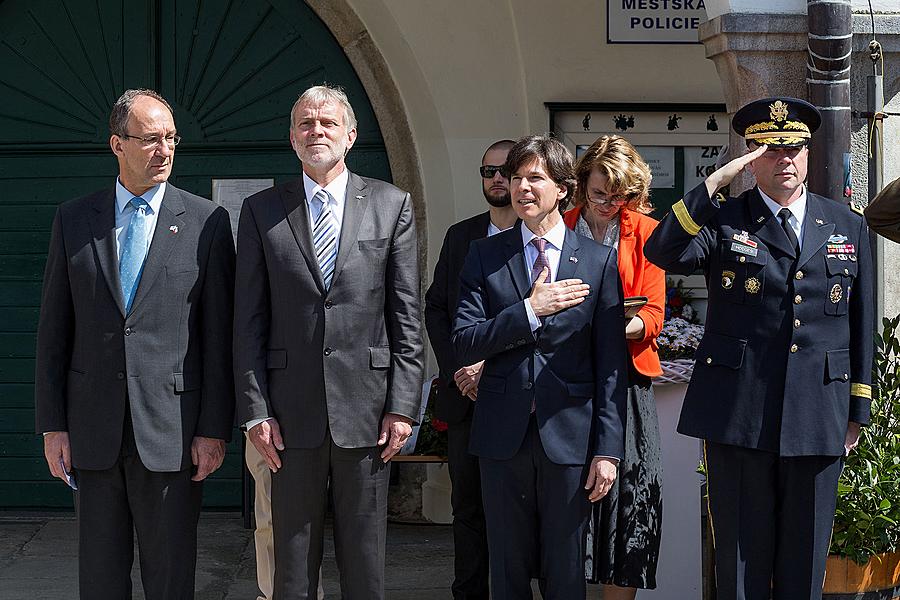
(328, 348)
(543, 308)
(782, 377)
(458, 386)
(132, 386)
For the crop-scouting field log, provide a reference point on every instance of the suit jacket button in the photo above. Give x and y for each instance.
(128, 331)
(329, 304)
(794, 348)
(796, 323)
(798, 299)
(527, 385)
(709, 360)
(537, 350)
(120, 375)
(798, 275)
(328, 351)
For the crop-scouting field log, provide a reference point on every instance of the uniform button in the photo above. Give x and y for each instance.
(743, 259)
(527, 385)
(846, 271)
(537, 350)
(798, 275)
(128, 331)
(794, 348)
(120, 375)
(796, 323)
(798, 299)
(522, 341)
(845, 377)
(328, 351)
(510, 346)
(709, 360)
(329, 304)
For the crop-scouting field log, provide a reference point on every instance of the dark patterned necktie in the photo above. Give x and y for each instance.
(541, 260)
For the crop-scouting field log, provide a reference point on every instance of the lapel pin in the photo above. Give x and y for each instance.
(573, 259)
(820, 222)
(760, 220)
(174, 228)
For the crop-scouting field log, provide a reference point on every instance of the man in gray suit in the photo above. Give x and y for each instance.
(132, 386)
(328, 348)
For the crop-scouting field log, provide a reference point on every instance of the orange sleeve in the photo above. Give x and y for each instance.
(653, 281)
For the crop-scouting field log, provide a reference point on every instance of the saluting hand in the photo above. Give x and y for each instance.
(727, 172)
(549, 298)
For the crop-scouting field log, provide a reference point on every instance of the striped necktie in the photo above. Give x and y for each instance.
(134, 250)
(325, 236)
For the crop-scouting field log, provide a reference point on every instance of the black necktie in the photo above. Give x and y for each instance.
(783, 216)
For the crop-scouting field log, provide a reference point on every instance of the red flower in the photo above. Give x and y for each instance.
(439, 425)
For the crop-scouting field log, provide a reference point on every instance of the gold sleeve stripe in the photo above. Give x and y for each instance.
(687, 223)
(861, 390)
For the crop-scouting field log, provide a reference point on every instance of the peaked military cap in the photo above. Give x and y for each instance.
(781, 122)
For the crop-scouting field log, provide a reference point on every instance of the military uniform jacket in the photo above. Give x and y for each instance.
(786, 358)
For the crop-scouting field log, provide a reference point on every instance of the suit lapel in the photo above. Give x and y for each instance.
(103, 228)
(768, 227)
(515, 261)
(293, 196)
(168, 227)
(816, 229)
(356, 201)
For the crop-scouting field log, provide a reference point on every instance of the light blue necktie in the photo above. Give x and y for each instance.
(324, 236)
(134, 250)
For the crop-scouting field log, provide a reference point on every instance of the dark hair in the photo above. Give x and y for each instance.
(504, 144)
(118, 118)
(556, 159)
(628, 175)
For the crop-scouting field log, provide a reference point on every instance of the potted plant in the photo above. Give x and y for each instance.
(865, 545)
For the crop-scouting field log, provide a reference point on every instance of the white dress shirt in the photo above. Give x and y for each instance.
(337, 189)
(124, 210)
(798, 212)
(553, 251)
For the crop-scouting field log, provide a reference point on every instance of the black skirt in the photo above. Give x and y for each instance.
(625, 527)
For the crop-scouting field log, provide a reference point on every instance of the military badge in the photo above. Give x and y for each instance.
(744, 238)
(837, 239)
(727, 279)
(837, 292)
(778, 111)
(752, 285)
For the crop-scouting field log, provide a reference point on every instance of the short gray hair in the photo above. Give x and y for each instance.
(320, 94)
(118, 118)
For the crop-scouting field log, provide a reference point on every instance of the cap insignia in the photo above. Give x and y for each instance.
(778, 111)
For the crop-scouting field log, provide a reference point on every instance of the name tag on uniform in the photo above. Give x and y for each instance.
(743, 249)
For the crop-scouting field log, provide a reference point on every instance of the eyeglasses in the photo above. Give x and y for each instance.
(605, 200)
(151, 141)
(488, 171)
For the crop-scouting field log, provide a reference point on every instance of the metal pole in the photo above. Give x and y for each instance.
(875, 110)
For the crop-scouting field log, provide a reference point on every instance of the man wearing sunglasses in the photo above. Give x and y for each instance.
(133, 387)
(457, 388)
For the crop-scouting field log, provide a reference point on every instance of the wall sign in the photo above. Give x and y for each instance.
(654, 21)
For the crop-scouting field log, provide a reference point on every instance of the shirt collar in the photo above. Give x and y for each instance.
(153, 196)
(337, 188)
(555, 237)
(797, 207)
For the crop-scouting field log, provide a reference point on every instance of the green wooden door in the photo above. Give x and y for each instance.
(230, 69)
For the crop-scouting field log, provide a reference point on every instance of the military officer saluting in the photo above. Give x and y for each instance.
(782, 377)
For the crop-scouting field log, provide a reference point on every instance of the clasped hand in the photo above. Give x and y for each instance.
(549, 298)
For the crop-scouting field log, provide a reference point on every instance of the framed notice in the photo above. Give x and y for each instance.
(230, 194)
(654, 21)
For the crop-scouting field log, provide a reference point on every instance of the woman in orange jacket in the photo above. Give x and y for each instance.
(611, 206)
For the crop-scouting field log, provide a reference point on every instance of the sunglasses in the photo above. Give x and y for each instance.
(488, 171)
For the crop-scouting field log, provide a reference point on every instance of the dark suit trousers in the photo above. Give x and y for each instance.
(359, 487)
(162, 507)
(772, 519)
(470, 549)
(537, 515)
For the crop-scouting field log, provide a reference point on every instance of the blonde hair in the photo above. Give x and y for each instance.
(628, 175)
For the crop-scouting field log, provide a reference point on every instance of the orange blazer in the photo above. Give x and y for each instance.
(640, 277)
